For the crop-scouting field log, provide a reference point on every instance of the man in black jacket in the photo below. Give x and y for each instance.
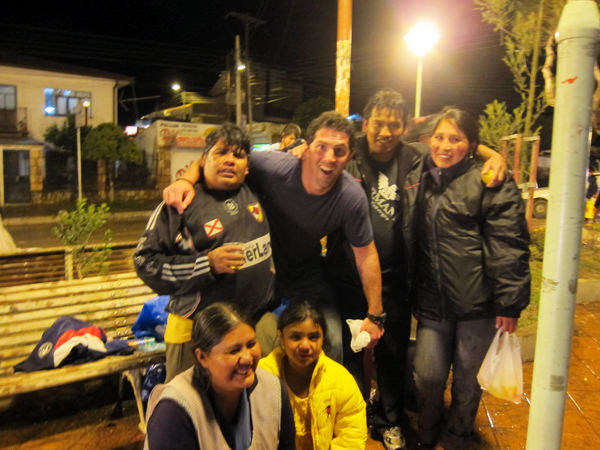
(389, 171)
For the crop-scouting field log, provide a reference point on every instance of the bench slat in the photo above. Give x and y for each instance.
(120, 318)
(40, 293)
(75, 310)
(72, 283)
(78, 299)
(20, 383)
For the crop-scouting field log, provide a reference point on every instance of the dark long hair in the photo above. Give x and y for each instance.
(298, 311)
(210, 327)
(464, 121)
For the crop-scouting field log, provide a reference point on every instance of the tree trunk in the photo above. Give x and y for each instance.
(596, 101)
(549, 87)
(535, 63)
(101, 164)
(111, 180)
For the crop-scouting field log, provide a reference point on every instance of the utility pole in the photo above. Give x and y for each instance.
(577, 39)
(238, 84)
(248, 22)
(342, 59)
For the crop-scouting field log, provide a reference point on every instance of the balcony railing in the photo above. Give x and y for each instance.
(13, 121)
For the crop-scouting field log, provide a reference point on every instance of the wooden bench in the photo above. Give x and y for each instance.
(111, 302)
(42, 265)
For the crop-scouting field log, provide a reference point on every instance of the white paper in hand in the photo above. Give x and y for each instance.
(360, 339)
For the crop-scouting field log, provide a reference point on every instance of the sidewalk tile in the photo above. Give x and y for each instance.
(511, 439)
(585, 400)
(482, 419)
(593, 417)
(483, 439)
(575, 422)
(576, 441)
(511, 416)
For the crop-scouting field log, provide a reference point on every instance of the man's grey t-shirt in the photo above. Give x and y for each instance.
(299, 220)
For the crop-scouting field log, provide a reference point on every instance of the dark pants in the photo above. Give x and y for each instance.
(390, 352)
(462, 345)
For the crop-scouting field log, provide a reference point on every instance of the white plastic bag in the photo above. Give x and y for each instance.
(360, 339)
(501, 373)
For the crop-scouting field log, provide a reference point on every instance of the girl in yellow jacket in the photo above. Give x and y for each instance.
(329, 410)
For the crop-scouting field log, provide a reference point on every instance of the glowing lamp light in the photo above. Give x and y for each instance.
(241, 67)
(422, 38)
(86, 103)
(176, 87)
(50, 109)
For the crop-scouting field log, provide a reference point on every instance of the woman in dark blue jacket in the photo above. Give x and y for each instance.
(472, 277)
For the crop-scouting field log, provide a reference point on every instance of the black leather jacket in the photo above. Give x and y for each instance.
(473, 246)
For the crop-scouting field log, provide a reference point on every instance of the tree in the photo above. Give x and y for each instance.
(108, 142)
(499, 123)
(311, 109)
(528, 27)
(65, 136)
(75, 228)
(523, 24)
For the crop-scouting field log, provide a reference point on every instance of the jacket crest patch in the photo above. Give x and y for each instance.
(231, 207)
(213, 228)
(256, 211)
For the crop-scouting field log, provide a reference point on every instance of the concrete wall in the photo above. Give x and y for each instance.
(57, 197)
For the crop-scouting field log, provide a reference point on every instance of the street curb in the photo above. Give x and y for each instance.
(52, 219)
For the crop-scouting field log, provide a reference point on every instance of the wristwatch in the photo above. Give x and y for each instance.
(377, 319)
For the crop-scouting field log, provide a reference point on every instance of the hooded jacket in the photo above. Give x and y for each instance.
(339, 418)
(473, 246)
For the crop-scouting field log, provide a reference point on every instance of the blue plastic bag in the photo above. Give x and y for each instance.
(156, 374)
(152, 318)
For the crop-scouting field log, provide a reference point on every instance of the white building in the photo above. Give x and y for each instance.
(171, 147)
(35, 94)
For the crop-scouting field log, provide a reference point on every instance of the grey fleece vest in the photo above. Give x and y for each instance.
(265, 405)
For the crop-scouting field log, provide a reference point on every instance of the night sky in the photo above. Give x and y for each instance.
(188, 41)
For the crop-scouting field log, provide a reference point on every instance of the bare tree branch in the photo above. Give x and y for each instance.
(549, 86)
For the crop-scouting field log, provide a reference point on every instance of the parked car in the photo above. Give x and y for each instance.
(540, 198)
(540, 202)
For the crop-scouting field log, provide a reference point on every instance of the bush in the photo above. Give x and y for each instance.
(75, 229)
(538, 235)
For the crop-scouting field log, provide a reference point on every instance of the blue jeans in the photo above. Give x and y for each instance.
(462, 345)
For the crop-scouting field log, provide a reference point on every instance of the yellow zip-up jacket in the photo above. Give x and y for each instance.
(339, 414)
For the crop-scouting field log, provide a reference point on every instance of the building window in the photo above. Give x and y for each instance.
(60, 102)
(8, 97)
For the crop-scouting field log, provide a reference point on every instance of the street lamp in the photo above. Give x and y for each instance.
(420, 40)
(177, 88)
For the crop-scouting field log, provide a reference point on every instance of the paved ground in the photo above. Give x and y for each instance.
(78, 418)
